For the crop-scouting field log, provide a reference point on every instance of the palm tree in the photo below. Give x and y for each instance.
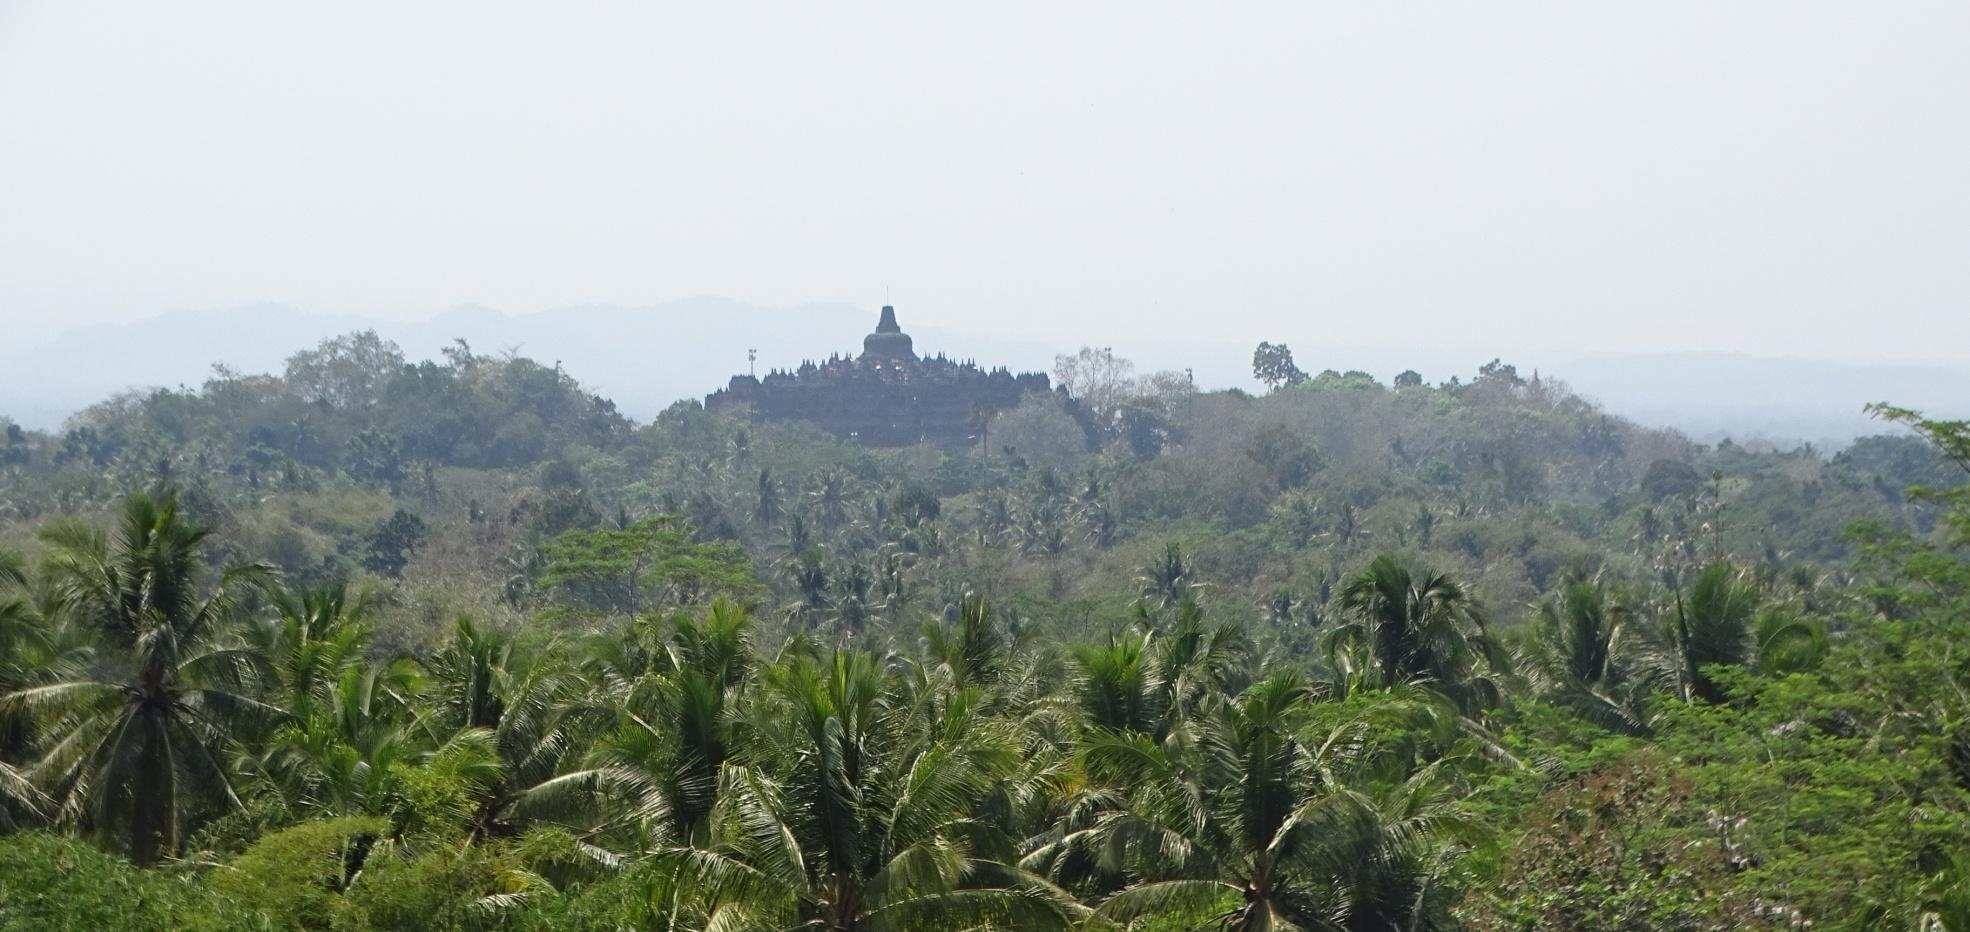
(518, 718)
(810, 576)
(1347, 524)
(1094, 511)
(678, 722)
(995, 516)
(1044, 532)
(850, 603)
(848, 812)
(1786, 641)
(1148, 682)
(831, 498)
(1113, 684)
(315, 634)
(148, 733)
(1043, 529)
(28, 655)
(974, 651)
(1165, 581)
(1403, 629)
(1280, 608)
(892, 586)
(979, 419)
(1266, 821)
(1586, 652)
(800, 538)
(349, 717)
(1712, 626)
(767, 509)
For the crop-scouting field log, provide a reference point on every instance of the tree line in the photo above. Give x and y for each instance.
(245, 744)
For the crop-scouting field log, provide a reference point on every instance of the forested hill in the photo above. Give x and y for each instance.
(381, 643)
(1707, 395)
(1511, 481)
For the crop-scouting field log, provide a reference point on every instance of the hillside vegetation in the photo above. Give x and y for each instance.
(376, 643)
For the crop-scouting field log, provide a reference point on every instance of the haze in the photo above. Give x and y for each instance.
(1773, 178)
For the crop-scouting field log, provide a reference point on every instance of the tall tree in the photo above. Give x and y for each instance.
(146, 735)
(1272, 364)
(27, 655)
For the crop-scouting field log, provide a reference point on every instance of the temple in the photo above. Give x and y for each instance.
(886, 397)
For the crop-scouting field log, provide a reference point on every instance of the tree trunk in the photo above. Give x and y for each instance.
(152, 795)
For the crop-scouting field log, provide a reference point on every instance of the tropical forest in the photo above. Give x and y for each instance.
(380, 642)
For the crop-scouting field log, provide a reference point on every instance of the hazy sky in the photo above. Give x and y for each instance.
(1772, 177)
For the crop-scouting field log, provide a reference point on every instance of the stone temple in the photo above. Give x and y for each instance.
(886, 397)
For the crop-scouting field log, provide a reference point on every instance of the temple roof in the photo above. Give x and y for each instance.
(888, 343)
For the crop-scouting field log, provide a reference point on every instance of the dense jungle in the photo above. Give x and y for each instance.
(384, 643)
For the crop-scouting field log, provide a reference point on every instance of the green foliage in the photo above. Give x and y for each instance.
(50, 882)
(1627, 848)
(295, 877)
(1667, 479)
(1272, 364)
(142, 744)
(442, 887)
(650, 565)
(391, 545)
(1150, 656)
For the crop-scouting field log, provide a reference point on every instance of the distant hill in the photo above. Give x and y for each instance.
(645, 358)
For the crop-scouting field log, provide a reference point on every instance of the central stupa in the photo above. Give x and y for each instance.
(889, 343)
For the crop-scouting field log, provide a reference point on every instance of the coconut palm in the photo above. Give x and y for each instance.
(1787, 641)
(1166, 580)
(1281, 608)
(343, 756)
(146, 735)
(518, 717)
(800, 538)
(850, 605)
(348, 715)
(1712, 626)
(28, 655)
(995, 516)
(849, 812)
(1043, 529)
(1586, 651)
(315, 634)
(974, 651)
(767, 507)
(1402, 628)
(810, 576)
(831, 498)
(678, 722)
(892, 580)
(1265, 820)
(1147, 681)
(1113, 683)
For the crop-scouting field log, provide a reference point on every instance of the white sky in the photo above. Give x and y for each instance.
(1770, 177)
